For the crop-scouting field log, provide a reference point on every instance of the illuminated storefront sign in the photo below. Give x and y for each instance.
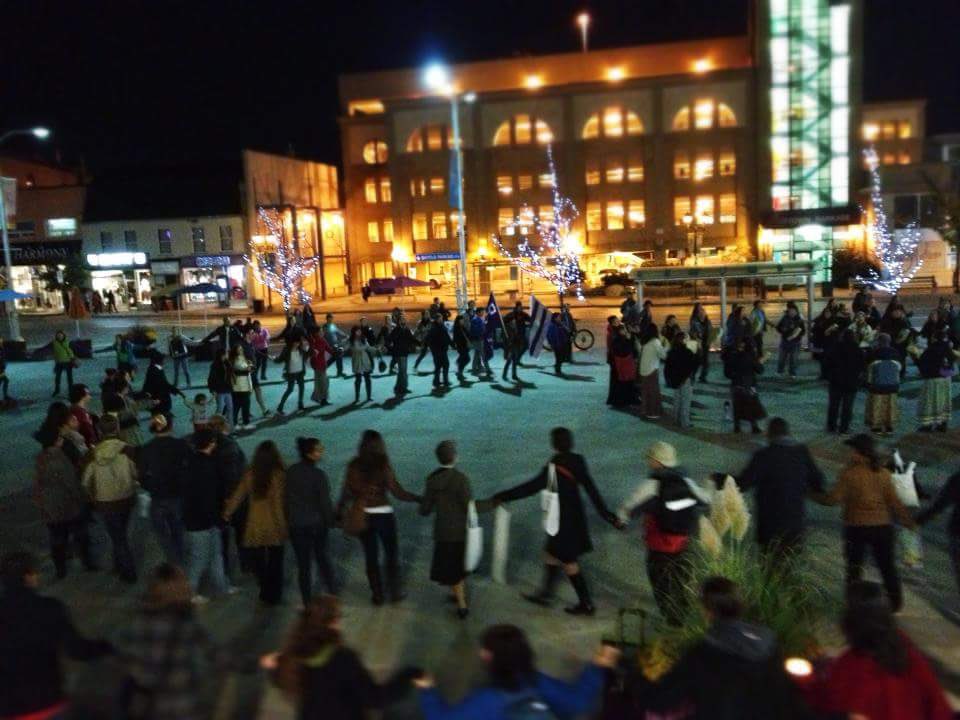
(117, 260)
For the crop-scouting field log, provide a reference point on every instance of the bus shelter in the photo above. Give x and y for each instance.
(799, 272)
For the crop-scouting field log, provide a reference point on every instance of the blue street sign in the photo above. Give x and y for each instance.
(429, 257)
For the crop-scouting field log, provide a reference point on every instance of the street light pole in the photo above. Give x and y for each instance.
(462, 293)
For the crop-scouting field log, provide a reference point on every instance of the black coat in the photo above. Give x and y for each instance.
(204, 493)
(218, 379)
(438, 339)
(742, 367)
(573, 538)
(159, 388)
(680, 365)
(34, 632)
(843, 365)
(949, 497)
(161, 466)
(401, 341)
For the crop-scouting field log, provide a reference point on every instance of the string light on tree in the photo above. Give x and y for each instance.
(548, 248)
(897, 253)
(277, 263)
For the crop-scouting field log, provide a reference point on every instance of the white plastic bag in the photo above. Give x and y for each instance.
(903, 482)
(550, 502)
(501, 544)
(474, 550)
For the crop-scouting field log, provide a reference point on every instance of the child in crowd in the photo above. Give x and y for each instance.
(201, 412)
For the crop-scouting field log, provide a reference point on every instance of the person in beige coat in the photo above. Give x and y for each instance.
(265, 531)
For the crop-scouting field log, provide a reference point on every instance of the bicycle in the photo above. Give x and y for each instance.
(583, 339)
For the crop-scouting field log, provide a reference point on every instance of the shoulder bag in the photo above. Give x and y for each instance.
(550, 502)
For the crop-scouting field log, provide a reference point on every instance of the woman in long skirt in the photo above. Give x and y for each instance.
(652, 353)
(623, 365)
(936, 366)
(883, 386)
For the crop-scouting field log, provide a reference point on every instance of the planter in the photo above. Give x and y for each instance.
(82, 348)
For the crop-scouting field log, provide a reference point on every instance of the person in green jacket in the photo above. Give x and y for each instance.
(63, 360)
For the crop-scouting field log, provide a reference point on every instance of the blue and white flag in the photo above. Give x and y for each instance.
(538, 326)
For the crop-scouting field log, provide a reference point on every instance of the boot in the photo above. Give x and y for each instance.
(584, 605)
(376, 587)
(551, 574)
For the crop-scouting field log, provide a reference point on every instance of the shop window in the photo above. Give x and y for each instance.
(226, 238)
(106, 240)
(504, 185)
(728, 163)
(524, 182)
(615, 215)
(373, 231)
(388, 231)
(375, 152)
(681, 209)
(613, 122)
(199, 239)
(505, 219)
(594, 216)
(681, 165)
(703, 210)
(545, 180)
(636, 214)
(420, 226)
(593, 173)
(728, 208)
(703, 167)
(130, 239)
(370, 190)
(386, 192)
(165, 241)
(439, 225)
(61, 227)
(436, 185)
(545, 213)
(888, 130)
(635, 170)
(614, 170)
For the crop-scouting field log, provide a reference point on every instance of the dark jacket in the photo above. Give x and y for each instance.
(680, 365)
(34, 632)
(949, 497)
(843, 364)
(573, 538)
(742, 368)
(438, 339)
(230, 457)
(461, 338)
(788, 326)
(734, 673)
(401, 341)
(218, 380)
(161, 466)
(204, 492)
(156, 385)
(57, 490)
(307, 496)
(447, 494)
(782, 474)
(937, 358)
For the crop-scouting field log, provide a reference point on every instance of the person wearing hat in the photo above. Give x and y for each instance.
(156, 385)
(668, 501)
(865, 491)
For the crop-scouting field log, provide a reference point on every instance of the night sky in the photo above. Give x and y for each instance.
(131, 82)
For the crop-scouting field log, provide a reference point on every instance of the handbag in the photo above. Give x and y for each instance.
(550, 502)
(501, 545)
(474, 544)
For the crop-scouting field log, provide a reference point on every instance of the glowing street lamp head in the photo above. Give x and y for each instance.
(41, 133)
(583, 20)
(437, 78)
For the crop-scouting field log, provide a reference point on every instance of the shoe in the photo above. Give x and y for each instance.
(324, 403)
(580, 609)
(462, 613)
(301, 408)
(267, 413)
(280, 412)
(537, 599)
(199, 600)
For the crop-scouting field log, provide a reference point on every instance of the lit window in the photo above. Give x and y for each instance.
(526, 130)
(871, 131)
(634, 125)
(370, 190)
(636, 214)
(386, 194)
(415, 141)
(591, 129)
(505, 221)
(703, 167)
(593, 173)
(226, 238)
(681, 121)
(388, 231)
(704, 209)
(545, 213)
(889, 130)
(61, 227)
(725, 116)
(439, 225)
(681, 165)
(904, 158)
(373, 231)
(524, 182)
(522, 135)
(635, 170)
(544, 133)
(419, 226)
(525, 220)
(434, 137)
(728, 208)
(594, 216)
(614, 171)
(904, 130)
(504, 184)
(165, 240)
(545, 180)
(681, 208)
(455, 222)
(889, 159)
(612, 122)
(616, 122)
(199, 239)
(436, 185)
(615, 215)
(502, 136)
(375, 152)
(728, 163)
(703, 114)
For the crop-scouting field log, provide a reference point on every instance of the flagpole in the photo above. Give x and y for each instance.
(461, 230)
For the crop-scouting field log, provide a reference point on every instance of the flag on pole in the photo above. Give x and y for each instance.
(494, 318)
(538, 326)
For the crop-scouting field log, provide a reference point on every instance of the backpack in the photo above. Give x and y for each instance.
(675, 508)
(527, 706)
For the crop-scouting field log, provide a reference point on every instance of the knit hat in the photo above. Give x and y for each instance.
(663, 453)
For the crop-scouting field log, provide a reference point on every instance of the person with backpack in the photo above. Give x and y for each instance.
(668, 502)
(679, 371)
(562, 477)
(516, 690)
(883, 386)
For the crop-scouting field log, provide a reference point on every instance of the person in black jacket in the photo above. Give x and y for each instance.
(157, 387)
(233, 462)
(461, 340)
(438, 340)
(782, 475)
(679, 370)
(949, 497)
(843, 366)
(35, 632)
(161, 469)
(741, 367)
(736, 672)
(573, 537)
(402, 343)
(515, 324)
(219, 383)
(226, 335)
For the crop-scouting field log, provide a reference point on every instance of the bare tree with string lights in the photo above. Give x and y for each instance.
(277, 263)
(547, 247)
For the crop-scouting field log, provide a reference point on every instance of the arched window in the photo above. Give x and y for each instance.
(726, 116)
(613, 122)
(429, 138)
(375, 152)
(681, 121)
(523, 130)
(704, 114)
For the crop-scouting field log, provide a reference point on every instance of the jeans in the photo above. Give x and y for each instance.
(225, 406)
(321, 385)
(421, 356)
(840, 403)
(60, 540)
(441, 365)
(166, 516)
(365, 377)
(205, 558)
(463, 359)
(478, 361)
(295, 378)
(260, 358)
(787, 358)
(310, 543)
(58, 370)
(241, 407)
(268, 566)
(511, 356)
(682, 398)
(381, 530)
(116, 523)
(880, 541)
(178, 363)
(403, 382)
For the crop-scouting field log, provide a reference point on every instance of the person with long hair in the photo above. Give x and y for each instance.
(361, 360)
(293, 357)
(220, 383)
(621, 356)
(679, 372)
(241, 386)
(265, 531)
(651, 354)
(325, 679)
(741, 366)
(865, 491)
(368, 514)
(937, 367)
(515, 688)
(881, 675)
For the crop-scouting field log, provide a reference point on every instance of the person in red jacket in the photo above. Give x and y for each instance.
(79, 399)
(881, 676)
(319, 349)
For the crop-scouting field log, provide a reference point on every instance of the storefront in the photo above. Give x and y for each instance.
(125, 274)
(227, 271)
(32, 263)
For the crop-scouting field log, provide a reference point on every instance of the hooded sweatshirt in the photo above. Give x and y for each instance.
(110, 478)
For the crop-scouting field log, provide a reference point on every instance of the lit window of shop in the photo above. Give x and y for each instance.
(593, 173)
(420, 226)
(545, 213)
(130, 239)
(199, 239)
(437, 185)
(226, 238)
(635, 170)
(524, 182)
(386, 192)
(594, 216)
(375, 152)
(370, 190)
(106, 240)
(388, 231)
(636, 214)
(61, 227)
(523, 129)
(681, 208)
(546, 180)
(615, 215)
(703, 210)
(435, 137)
(681, 121)
(904, 158)
(889, 130)
(373, 231)
(613, 122)
(614, 170)
(681, 165)
(703, 167)
(439, 225)
(505, 221)
(505, 185)
(728, 163)
(871, 131)
(165, 241)
(728, 209)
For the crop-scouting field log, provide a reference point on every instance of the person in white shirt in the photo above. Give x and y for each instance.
(294, 359)
(652, 353)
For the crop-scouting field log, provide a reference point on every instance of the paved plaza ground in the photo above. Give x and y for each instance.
(502, 432)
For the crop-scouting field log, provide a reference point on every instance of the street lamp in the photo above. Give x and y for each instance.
(41, 133)
(583, 21)
(437, 78)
